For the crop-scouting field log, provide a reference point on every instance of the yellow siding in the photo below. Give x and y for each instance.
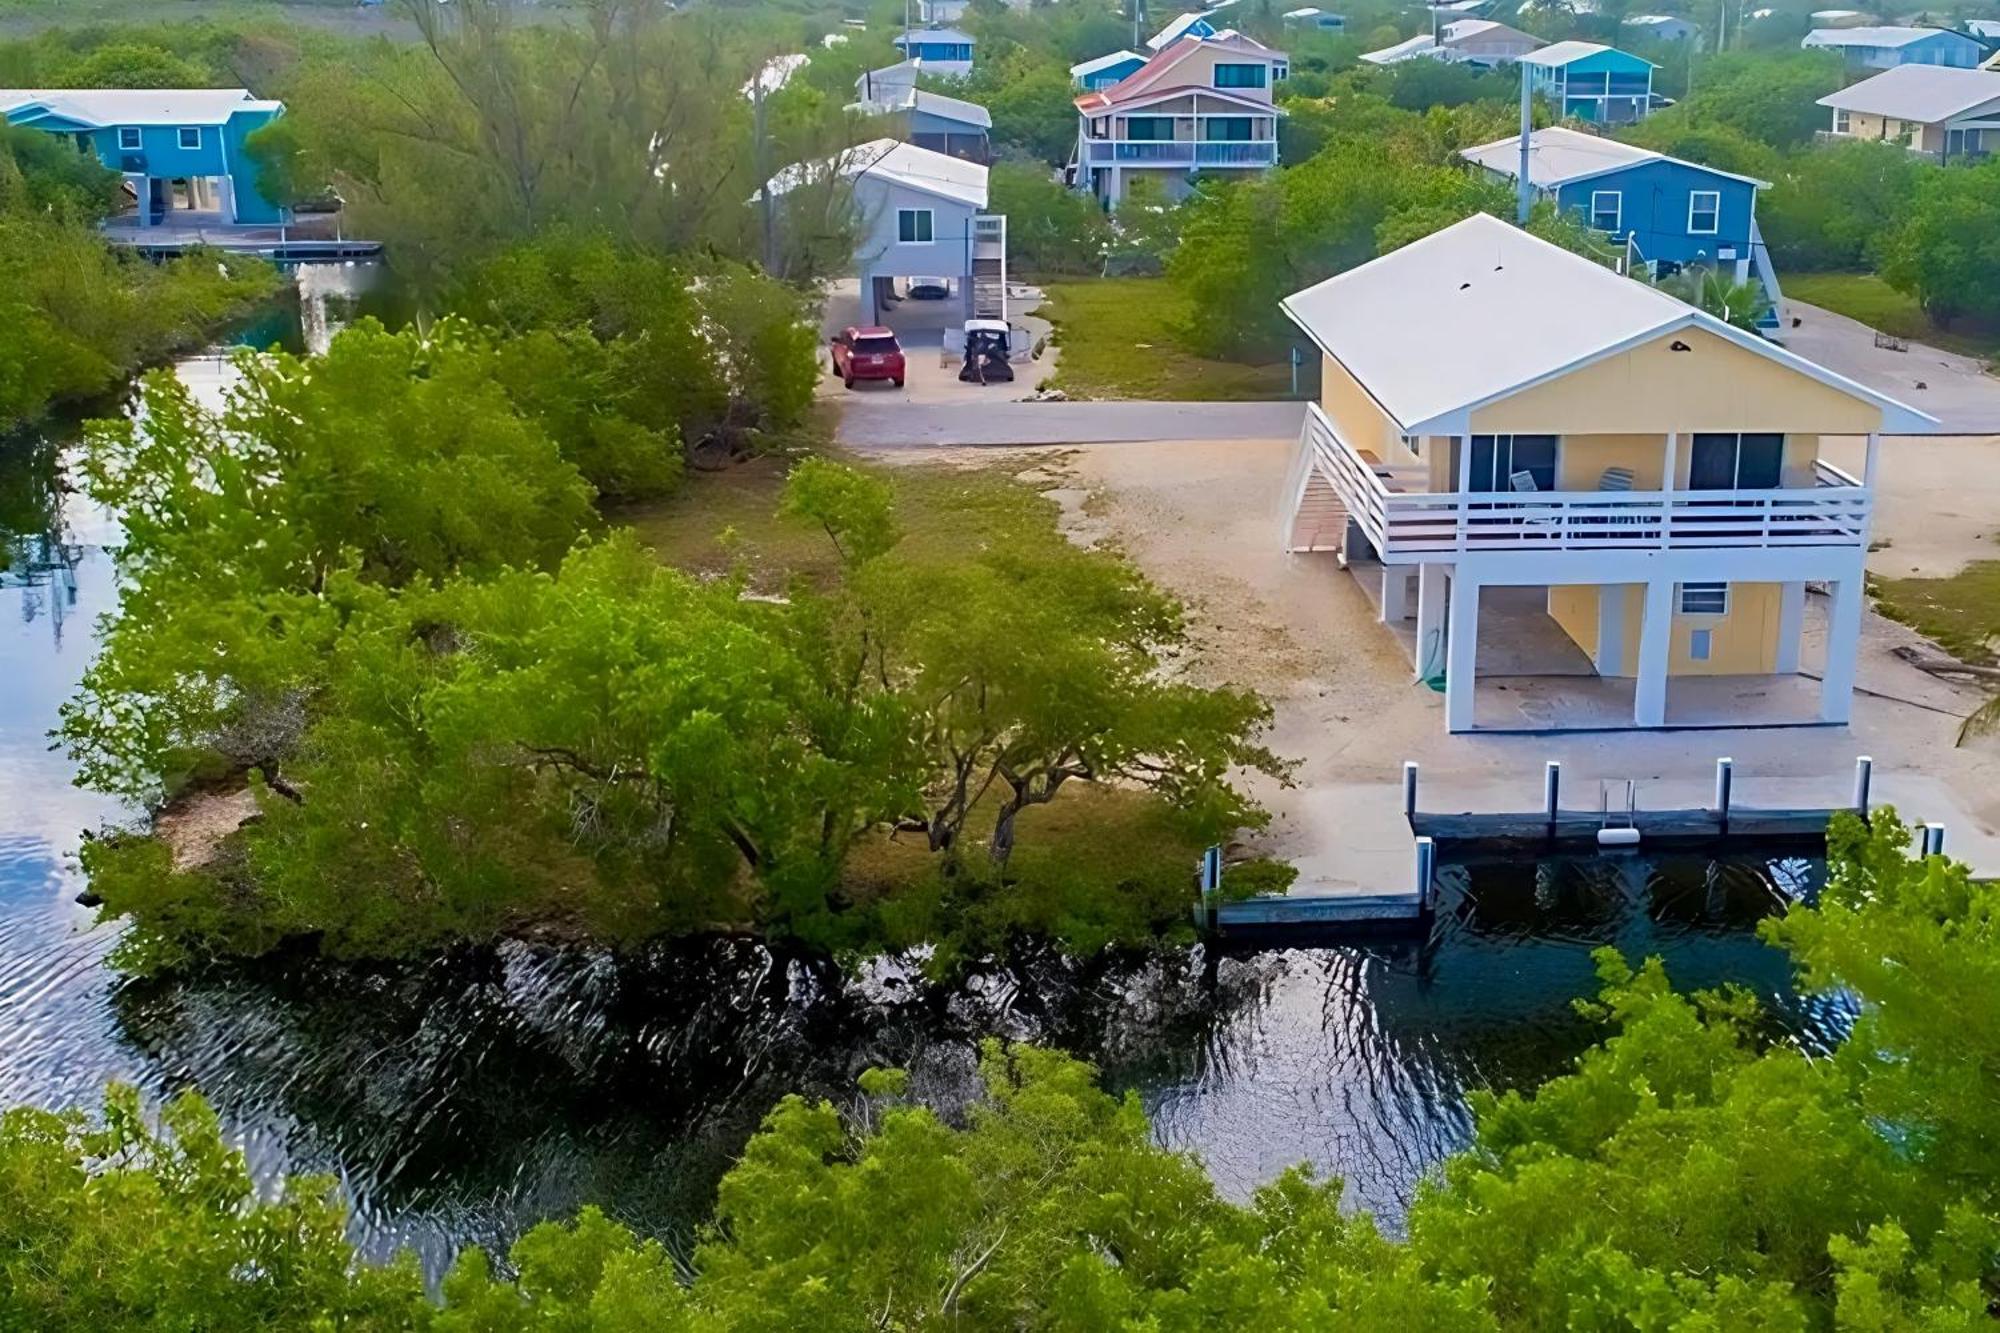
(1741, 643)
(1355, 415)
(1582, 459)
(1714, 386)
(1574, 607)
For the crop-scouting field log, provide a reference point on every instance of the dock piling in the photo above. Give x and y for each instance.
(1409, 788)
(1933, 844)
(1864, 773)
(1552, 773)
(1725, 773)
(1426, 871)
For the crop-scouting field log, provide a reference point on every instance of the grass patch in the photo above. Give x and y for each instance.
(1961, 612)
(1117, 337)
(1867, 298)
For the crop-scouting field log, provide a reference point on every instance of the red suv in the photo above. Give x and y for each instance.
(867, 354)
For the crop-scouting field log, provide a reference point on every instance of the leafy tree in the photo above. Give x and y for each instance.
(121, 1225)
(1773, 99)
(1050, 229)
(1945, 251)
(133, 65)
(394, 458)
(1839, 205)
(1717, 145)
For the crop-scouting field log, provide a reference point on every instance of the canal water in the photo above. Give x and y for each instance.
(462, 1099)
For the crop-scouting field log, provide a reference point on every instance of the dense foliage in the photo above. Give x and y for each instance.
(1689, 1173)
(360, 587)
(76, 316)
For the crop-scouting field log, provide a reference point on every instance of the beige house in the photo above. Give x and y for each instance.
(1203, 103)
(1580, 491)
(1946, 113)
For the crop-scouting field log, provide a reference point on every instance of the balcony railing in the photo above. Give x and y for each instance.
(1413, 527)
(1182, 152)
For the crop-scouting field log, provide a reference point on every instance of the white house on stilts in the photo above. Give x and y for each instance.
(1581, 502)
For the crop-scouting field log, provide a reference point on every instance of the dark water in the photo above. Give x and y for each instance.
(465, 1098)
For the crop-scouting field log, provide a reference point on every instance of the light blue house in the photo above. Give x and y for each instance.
(1886, 48)
(949, 125)
(180, 150)
(1667, 214)
(1593, 82)
(1091, 75)
(942, 50)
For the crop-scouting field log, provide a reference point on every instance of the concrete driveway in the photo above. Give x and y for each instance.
(920, 327)
(1954, 389)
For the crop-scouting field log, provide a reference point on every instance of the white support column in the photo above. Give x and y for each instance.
(1463, 443)
(1868, 480)
(1649, 699)
(1609, 658)
(1461, 651)
(1430, 619)
(1843, 645)
(1669, 482)
(1395, 594)
(1791, 627)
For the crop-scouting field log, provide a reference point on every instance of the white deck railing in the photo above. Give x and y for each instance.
(1410, 527)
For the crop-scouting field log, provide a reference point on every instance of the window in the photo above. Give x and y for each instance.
(1736, 463)
(1606, 209)
(1151, 129)
(190, 136)
(128, 136)
(1704, 212)
(1496, 458)
(1100, 127)
(913, 225)
(1840, 121)
(1226, 128)
(1700, 641)
(1704, 599)
(1240, 76)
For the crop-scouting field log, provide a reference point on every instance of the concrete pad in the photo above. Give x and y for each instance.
(1955, 389)
(879, 421)
(1201, 517)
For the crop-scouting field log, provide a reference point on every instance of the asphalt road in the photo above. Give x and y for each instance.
(1954, 389)
(894, 424)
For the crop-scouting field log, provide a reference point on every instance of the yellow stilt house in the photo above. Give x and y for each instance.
(1571, 485)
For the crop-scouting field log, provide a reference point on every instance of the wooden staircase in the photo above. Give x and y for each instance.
(1319, 522)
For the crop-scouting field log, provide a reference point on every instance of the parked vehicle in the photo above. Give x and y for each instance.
(929, 289)
(986, 353)
(867, 354)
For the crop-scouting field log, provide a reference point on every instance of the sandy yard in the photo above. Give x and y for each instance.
(1939, 503)
(1201, 517)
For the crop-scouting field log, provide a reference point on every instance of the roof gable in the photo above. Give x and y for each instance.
(1923, 93)
(1516, 312)
(1595, 54)
(99, 108)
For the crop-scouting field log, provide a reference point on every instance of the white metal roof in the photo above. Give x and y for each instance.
(1089, 67)
(1174, 30)
(1481, 310)
(1459, 30)
(775, 73)
(1558, 156)
(898, 163)
(1882, 37)
(137, 106)
(1926, 94)
(1419, 45)
(951, 108)
(1561, 53)
(1308, 12)
(1988, 28)
(1656, 20)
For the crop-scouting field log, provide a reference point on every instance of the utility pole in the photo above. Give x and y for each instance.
(1524, 193)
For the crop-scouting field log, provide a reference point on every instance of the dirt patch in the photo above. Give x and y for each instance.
(194, 827)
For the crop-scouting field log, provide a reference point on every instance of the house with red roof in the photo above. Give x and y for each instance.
(1202, 104)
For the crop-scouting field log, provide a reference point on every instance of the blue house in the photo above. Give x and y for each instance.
(1667, 213)
(1886, 48)
(948, 125)
(942, 50)
(1091, 75)
(180, 150)
(1593, 82)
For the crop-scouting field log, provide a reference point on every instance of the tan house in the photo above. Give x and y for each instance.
(1949, 114)
(1204, 103)
(1601, 502)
